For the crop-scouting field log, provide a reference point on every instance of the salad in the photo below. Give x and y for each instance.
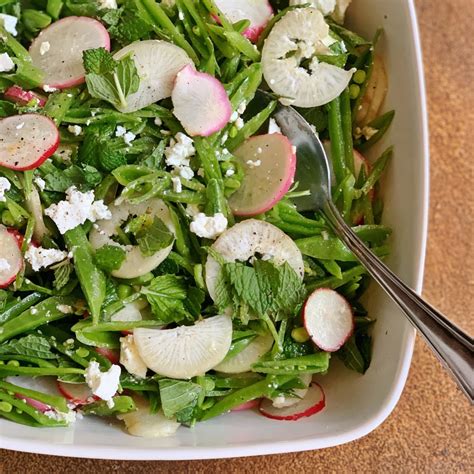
(153, 264)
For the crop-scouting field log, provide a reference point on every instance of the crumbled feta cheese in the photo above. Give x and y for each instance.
(192, 210)
(40, 182)
(128, 138)
(181, 15)
(273, 127)
(234, 117)
(158, 122)
(325, 235)
(103, 384)
(239, 123)
(47, 88)
(201, 173)
(9, 23)
(69, 417)
(130, 358)
(75, 130)
(242, 107)
(44, 47)
(209, 227)
(77, 209)
(111, 4)
(69, 342)
(65, 309)
(39, 257)
(120, 131)
(177, 186)
(366, 132)
(254, 164)
(230, 172)
(4, 265)
(6, 63)
(178, 155)
(5, 186)
(224, 138)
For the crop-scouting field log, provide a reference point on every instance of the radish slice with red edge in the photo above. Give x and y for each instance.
(269, 162)
(258, 12)
(21, 97)
(77, 393)
(27, 141)
(247, 405)
(110, 354)
(312, 403)
(57, 50)
(200, 102)
(328, 318)
(36, 404)
(11, 259)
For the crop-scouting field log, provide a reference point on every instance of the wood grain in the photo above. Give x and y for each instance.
(431, 428)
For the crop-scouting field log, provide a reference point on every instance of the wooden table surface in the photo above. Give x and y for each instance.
(431, 428)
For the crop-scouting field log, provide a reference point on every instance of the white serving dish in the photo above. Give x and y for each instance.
(356, 404)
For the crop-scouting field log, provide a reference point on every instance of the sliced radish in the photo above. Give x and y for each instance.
(258, 12)
(326, 7)
(200, 102)
(21, 97)
(284, 401)
(57, 50)
(11, 259)
(185, 351)
(269, 162)
(248, 238)
(145, 424)
(242, 362)
(135, 264)
(158, 63)
(247, 405)
(110, 354)
(26, 141)
(130, 358)
(312, 403)
(77, 393)
(36, 404)
(328, 318)
(297, 38)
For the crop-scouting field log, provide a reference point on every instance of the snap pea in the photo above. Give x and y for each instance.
(53, 8)
(208, 159)
(18, 307)
(43, 313)
(308, 364)
(381, 124)
(58, 105)
(86, 326)
(22, 419)
(7, 370)
(91, 279)
(216, 201)
(334, 282)
(248, 87)
(122, 404)
(377, 170)
(346, 124)
(336, 135)
(29, 359)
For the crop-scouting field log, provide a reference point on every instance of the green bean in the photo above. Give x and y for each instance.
(246, 91)
(91, 279)
(332, 268)
(216, 201)
(29, 359)
(308, 364)
(186, 18)
(381, 124)
(19, 307)
(334, 282)
(208, 159)
(52, 400)
(230, 67)
(346, 124)
(243, 45)
(7, 370)
(377, 170)
(43, 313)
(251, 126)
(336, 135)
(86, 326)
(185, 196)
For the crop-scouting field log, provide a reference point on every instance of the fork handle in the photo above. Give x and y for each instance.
(453, 347)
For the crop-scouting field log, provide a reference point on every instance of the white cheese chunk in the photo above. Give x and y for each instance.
(76, 130)
(209, 227)
(39, 257)
(5, 186)
(6, 63)
(103, 384)
(9, 23)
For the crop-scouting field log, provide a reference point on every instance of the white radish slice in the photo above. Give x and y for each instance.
(269, 162)
(20, 96)
(26, 141)
(130, 312)
(130, 358)
(312, 403)
(185, 351)
(36, 404)
(200, 102)
(242, 362)
(299, 393)
(66, 40)
(11, 259)
(248, 238)
(297, 37)
(328, 318)
(135, 264)
(33, 204)
(326, 7)
(158, 63)
(77, 393)
(258, 12)
(144, 424)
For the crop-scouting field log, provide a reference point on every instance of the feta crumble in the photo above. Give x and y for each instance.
(128, 137)
(4, 265)
(158, 122)
(9, 23)
(77, 209)
(69, 417)
(6, 63)
(230, 172)
(130, 358)
(39, 257)
(5, 186)
(103, 384)
(110, 4)
(239, 123)
(44, 47)
(40, 182)
(178, 155)
(177, 186)
(209, 227)
(254, 164)
(65, 309)
(76, 130)
(47, 88)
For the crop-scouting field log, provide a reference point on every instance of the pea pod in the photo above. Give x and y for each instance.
(15, 309)
(7, 370)
(122, 404)
(308, 364)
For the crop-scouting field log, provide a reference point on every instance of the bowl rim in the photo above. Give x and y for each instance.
(294, 445)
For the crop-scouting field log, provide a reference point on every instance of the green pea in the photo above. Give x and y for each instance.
(82, 352)
(6, 407)
(354, 91)
(124, 291)
(196, 30)
(18, 411)
(2, 362)
(7, 218)
(359, 76)
(300, 334)
(233, 132)
(13, 363)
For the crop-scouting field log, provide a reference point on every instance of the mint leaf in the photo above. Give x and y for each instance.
(62, 274)
(98, 61)
(178, 395)
(154, 237)
(109, 257)
(31, 345)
